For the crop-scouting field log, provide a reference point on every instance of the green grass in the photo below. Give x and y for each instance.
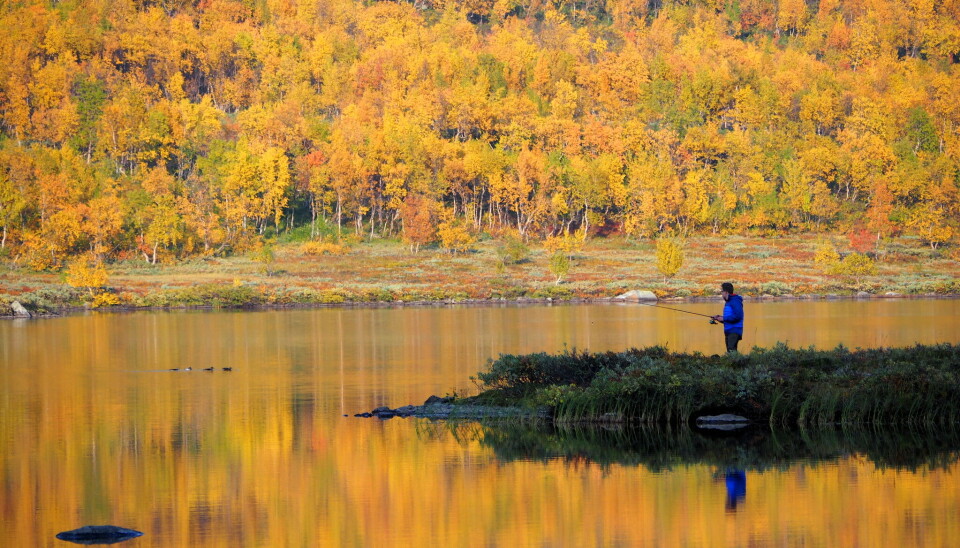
(917, 386)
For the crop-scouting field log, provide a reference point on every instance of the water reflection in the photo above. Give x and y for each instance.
(660, 448)
(755, 448)
(736, 483)
(95, 429)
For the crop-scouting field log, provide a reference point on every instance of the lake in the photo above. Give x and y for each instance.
(96, 429)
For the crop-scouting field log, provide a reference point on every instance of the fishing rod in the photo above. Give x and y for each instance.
(655, 305)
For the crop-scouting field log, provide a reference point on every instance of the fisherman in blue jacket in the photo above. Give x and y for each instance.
(732, 318)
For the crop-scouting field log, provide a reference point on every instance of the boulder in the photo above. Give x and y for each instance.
(19, 311)
(638, 295)
(432, 400)
(99, 534)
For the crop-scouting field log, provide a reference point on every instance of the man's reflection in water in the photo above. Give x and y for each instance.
(736, 481)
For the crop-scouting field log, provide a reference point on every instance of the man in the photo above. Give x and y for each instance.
(732, 318)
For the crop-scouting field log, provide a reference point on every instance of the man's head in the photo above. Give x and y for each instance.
(726, 289)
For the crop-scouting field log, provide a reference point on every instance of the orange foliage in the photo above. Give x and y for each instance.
(698, 116)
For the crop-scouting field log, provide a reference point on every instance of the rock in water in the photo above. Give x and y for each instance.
(19, 311)
(99, 534)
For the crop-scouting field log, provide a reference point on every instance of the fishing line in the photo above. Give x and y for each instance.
(675, 309)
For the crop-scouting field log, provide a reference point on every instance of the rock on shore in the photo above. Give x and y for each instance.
(637, 295)
(444, 408)
(19, 311)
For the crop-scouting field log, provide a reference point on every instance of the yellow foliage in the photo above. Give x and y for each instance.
(455, 237)
(105, 299)
(567, 243)
(323, 248)
(85, 273)
(856, 266)
(669, 256)
(826, 256)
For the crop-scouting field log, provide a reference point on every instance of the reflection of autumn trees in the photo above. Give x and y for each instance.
(544, 118)
(243, 467)
(93, 429)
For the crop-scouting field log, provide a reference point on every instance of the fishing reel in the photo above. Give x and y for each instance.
(713, 321)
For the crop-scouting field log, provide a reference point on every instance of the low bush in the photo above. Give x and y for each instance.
(316, 248)
(552, 292)
(215, 295)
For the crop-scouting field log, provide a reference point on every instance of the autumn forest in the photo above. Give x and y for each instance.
(172, 128)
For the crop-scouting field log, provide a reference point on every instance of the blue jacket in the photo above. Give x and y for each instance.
(733, 315)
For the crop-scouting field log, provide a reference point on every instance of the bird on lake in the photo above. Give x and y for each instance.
(208, 369)
(228, 369)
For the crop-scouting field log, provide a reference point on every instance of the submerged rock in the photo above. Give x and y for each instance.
(99, 534)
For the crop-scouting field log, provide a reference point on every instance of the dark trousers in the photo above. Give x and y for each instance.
(732, 340)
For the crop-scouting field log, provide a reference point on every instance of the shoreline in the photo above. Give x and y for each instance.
(520, 301)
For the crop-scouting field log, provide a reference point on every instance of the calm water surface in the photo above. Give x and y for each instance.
(95, 429)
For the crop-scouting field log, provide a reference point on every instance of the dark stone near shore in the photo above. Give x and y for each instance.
(99, 534)
(432, 400)
(405, 411)
(465, 411)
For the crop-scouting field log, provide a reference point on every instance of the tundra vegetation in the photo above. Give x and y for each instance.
(916, 387)
(298, 270)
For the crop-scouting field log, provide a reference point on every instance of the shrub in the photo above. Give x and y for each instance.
(227, 296)
(455, 237)
(513, 251)
(559, 265)
(264, 254)
(669, 256)
(826, 256)
(322, 248)
(85, 273)
(552, 292)
(775, 288)
(105, 299)
(855, 266)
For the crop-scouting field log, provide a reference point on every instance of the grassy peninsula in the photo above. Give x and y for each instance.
(913, 387)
